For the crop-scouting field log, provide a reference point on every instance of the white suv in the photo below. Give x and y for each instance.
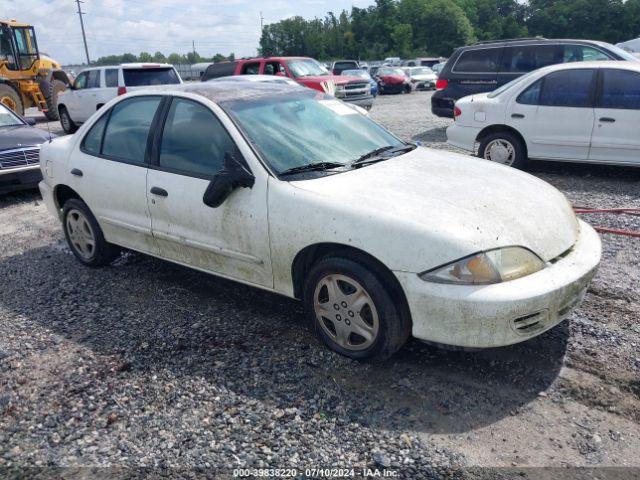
(96, 86)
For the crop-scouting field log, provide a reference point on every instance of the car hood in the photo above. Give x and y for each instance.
(426, 76)
(21, 136)
(471, 203)
(393, 79)
(337, 79)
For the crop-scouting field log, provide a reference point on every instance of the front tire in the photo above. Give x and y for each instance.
(51, 90)
(503, 147)
(10, 98)
(67, 123)
(352, 311)
(84, 235)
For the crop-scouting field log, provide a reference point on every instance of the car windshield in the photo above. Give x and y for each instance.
(306, 68)
(510, 84)
(421, 71)
(304, 128)
(355, 73)
(8, 118)
(391, 71)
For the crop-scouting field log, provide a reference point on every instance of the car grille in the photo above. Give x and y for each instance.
(19, 157)
(357, 89)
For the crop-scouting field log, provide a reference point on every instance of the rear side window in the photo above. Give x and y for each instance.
(111, 77)
(526, 58)
(251, 68)
(193, 140)
(92, 142)
(567, 88)
(93, 79)
(217, 70)
(139, 77)
(482, 60)
(126, 133)
(620, 89)
(582, 53)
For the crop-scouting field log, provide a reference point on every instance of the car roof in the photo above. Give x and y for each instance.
(224, 91)
(618, 64)
(533, 40)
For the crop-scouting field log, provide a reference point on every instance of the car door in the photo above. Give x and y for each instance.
(232, 239)
(109, 171)
(555, 115)
(615, 136)
(107, 88)
(73, 100)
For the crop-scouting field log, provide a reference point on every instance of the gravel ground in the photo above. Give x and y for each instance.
(148, 364)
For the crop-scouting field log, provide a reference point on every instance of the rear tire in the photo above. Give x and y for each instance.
(50, 90)
(10, 98)
(84, 235)
(67, 123)
(352, 311)
(503, 147)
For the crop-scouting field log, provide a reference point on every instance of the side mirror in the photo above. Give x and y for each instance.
(30, 121)
(232, 176)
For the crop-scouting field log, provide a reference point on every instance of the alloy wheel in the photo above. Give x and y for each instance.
(500, 151)
(81, 234)
(346, 312)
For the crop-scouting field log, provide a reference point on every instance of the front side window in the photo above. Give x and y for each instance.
(567, 88)
(304, 128)
(111, 77)
(526, 58)
(531, 96)
(620, 89)
(582, 53)
(193, 140)
(81, 81)
(128, 128)
(92, 143)
(483, 60)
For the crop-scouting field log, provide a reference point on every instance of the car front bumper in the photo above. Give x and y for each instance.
(487, 316)
(19, 178)
(364, 101)
(463, 137)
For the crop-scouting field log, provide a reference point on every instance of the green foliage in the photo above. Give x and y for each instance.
(159, 57)
(408, 28)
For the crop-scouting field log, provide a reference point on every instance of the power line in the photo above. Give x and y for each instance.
(84, 37)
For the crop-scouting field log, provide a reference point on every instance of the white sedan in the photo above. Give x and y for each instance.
(292, 191)
(577, 112)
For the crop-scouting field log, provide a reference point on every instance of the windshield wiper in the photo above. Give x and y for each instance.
(382, 153)
(311, 167)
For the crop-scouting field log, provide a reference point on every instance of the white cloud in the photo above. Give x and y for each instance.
(119, 26)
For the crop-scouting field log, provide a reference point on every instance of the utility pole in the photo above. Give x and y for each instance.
(261, 23)
(193, 44)
(84, 36)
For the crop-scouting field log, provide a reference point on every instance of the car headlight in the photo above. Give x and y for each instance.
(485, 268)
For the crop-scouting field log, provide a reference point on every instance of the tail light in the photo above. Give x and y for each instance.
(456, 111)
(122, 90)
(442, 83)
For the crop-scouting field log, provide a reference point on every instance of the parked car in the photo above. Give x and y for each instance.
(365, 229)
(421, 78)
(94, 87)
(485, 66)
(303, 70)
(437, 68)
(19, 151)
(587, 112)
(392, 80)
(392, 62)
(339, 66)
(373, 70)
(423, 62)
(365, 75)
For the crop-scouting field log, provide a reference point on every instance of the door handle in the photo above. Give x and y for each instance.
(161, 192)
(517, 115)
(76, 172)
(607, 120)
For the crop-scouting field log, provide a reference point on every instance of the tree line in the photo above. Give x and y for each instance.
(412, 28)
(159, 57)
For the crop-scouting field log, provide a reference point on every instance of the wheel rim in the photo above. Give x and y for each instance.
(81, 234)
(9, 103)
(500, 151)
(346, 312)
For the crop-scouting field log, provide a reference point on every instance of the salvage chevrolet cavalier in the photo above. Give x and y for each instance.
(293, 191)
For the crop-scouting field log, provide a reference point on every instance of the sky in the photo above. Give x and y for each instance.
(119, 26)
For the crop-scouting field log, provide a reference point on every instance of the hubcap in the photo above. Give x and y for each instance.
(9, 103)
(81, 234)
(500, 151)
(346, 312)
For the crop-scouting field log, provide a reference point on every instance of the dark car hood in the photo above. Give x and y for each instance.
(21, 136)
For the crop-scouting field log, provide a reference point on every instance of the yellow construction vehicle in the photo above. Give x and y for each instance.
(27, 77)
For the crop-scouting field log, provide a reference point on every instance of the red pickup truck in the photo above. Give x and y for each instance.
(303, 70)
